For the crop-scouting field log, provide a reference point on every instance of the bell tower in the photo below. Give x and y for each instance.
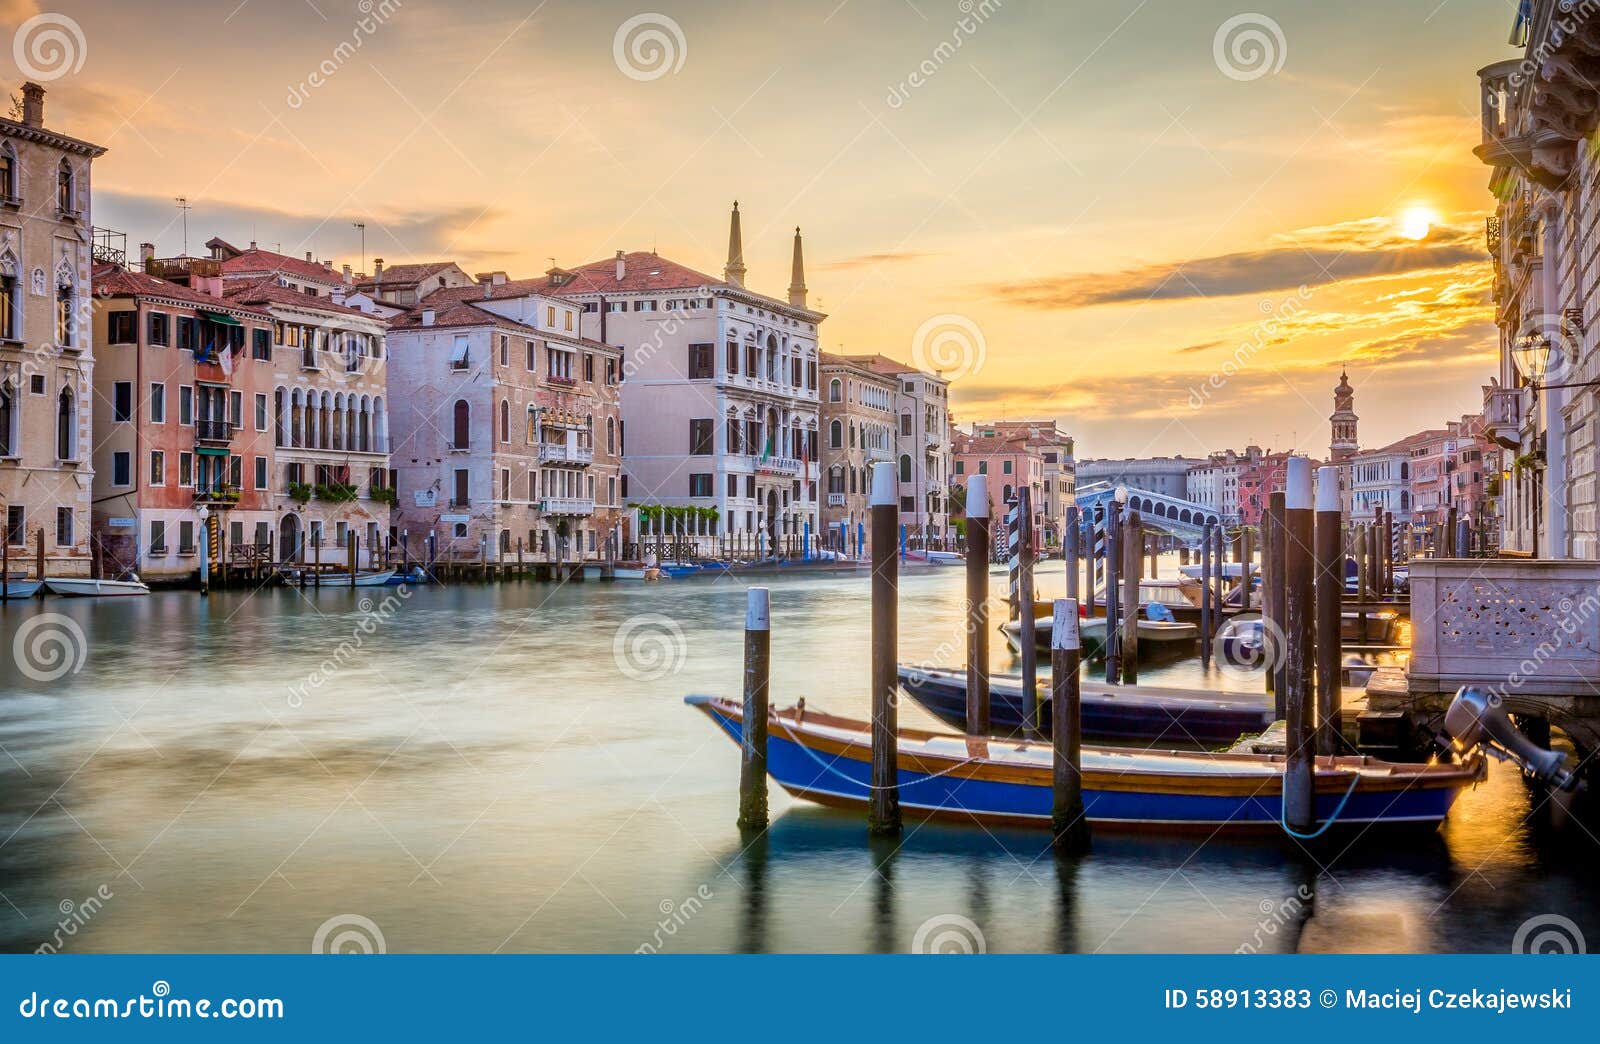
(1345, 444)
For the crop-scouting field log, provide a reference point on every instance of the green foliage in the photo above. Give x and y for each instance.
(300, 492)
(336, 492)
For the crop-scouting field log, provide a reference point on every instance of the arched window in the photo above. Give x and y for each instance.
(835, 435)
(66, 306)
(66, 426)
(835, 391)
(463, 425)
(66, 189)
(8, 422)
(505, 420)
(8, 172)
(905, 467)
(279, 420)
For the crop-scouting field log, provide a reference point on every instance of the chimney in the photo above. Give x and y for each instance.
(427, 317)
(336, 295)
(252, 244)
(147, 253)
(308, 255)
(32, 105)
(797, 278)
(347, 273)
(377, 270)
(733, 271)
(622, 266)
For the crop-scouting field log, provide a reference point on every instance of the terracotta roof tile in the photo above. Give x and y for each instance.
(256, 262)
(111, 280)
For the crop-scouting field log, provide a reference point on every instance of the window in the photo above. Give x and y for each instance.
(905, 467)
(66, 189)
(158, 538)
(122, 401)
(462, 434)
(905, 424)
(158, 403)
(733, 485)
(532, 363)
(8, 308)
(66, 317)
(908, 504)
(702, 364)
(16, 529)
(122, 327)
(961, 467)
(505, 350)
(186, 404)
(121, 468)
(1005, 467)
(66, 426)
(186, 332)
(461, 490)
(158, 468)
(186, 469)
(700, 438)
(8, 175)
(733, 358)
(236, 472)
(236, 410)
(505, 420)
(158, 330)
(836, 435)
(835, 390)
(64, 527)
(700, 485)
(458, 353)
(186, 538)
(588, 367)
(36, 384)
(8, 423)
(983, 467)
(261, 411)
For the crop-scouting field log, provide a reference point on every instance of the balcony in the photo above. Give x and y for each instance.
(561, 453)
(1503, 413)
(566, 506)
(563, 382)
(836, 500)
(777, 466)
(217, 496)
(212, 432)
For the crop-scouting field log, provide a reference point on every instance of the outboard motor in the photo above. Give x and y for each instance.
(1474, 719)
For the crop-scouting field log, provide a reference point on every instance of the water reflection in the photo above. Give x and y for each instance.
(486, 771)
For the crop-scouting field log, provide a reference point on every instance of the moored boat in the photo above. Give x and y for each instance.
(828, 759)
(87, 587)
(1155, 636)
(1109, 711)
(16, 590)
(314, 579)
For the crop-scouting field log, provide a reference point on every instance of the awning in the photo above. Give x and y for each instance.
(218, 317)
(210, 451)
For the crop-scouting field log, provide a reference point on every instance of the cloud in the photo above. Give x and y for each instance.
(397, 234)
(15, 12)
(1316, 256)
(1202, 347)
(874, 260)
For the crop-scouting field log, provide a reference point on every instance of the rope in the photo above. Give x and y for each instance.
(1355, 780)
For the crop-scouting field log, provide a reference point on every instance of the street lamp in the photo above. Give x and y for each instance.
(1120, 495)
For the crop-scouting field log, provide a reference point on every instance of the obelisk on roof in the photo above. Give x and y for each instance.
(733, 271)
(797, 277)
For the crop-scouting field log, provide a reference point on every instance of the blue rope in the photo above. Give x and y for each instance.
(1355, 780)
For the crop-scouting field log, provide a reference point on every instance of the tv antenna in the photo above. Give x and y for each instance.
(184, 207)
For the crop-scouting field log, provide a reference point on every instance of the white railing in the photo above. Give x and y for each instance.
(836, 500)
(567, 506)
(778, 466)
(560, 453)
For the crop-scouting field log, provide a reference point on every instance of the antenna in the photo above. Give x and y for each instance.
(362, 225)
(184, 206)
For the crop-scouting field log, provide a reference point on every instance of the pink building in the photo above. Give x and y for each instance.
(1009, 463)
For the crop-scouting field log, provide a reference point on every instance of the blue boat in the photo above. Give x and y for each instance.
(828, 759)
(1109, 711)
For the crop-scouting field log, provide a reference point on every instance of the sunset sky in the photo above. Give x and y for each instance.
(1114, 205)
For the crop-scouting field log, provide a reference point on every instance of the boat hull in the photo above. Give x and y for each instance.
(827, 759)
(1107, 713)
(74, 587)
(16, 590)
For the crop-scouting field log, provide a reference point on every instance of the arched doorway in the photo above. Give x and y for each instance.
(289, 538)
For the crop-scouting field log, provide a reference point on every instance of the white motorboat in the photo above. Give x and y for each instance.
(16, 590)
(85, 587)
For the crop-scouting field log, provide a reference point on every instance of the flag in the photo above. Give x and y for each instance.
(225, 360)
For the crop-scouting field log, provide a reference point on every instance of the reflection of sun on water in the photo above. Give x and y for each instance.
(1417, 222)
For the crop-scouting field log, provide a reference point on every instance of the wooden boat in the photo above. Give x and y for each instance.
(315, 579)
(938, 558)
(1109, 711)
(84, 587)
(15, 590)
(1155, 636)
(827, 759)
(417, 575)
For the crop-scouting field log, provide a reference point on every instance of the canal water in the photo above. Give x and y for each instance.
(511, 768)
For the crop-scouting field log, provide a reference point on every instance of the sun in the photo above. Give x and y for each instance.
(1417, 222)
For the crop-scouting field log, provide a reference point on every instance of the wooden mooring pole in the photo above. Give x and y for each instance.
(1206, 608)
(1299, 614)
(1272, 562)
(1068, 822)
(1021, 549)
(753, 739)
(1072, 549)
(1129, 602)
(978, 605)
(883, 813)
(351, 543)
(1113, 636)
(1330, 592)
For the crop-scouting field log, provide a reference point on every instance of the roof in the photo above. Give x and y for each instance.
(113, 280)
(407, 273)
(643, 271)
(457, 313)
(267, 291)
(984, 445)
(256, 261)
(879, 363)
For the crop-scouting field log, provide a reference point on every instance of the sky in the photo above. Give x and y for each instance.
(1166, 223)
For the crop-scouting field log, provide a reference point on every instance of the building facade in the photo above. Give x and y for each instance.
(1010, 462)
(1540, 109)
(860, 426)
(46, 341)
(1215, 483)
(720, 401)
(1168, 476)
(507, 435)
(1055, 448)
(184, 453)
